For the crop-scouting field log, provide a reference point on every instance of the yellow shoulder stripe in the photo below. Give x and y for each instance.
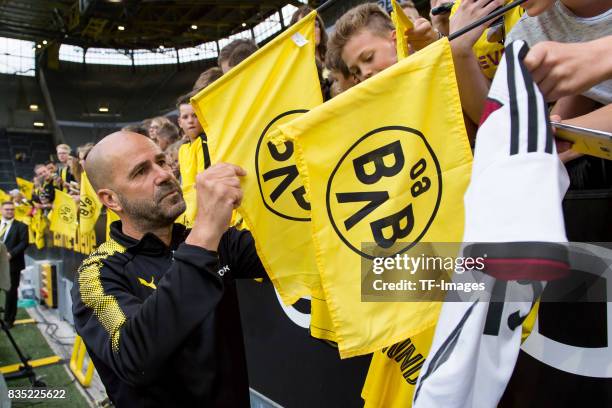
(105, 307)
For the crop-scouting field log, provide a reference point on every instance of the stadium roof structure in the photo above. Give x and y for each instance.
(132, 24)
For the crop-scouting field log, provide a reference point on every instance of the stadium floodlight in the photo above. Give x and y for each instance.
(121, 28)
(103, 109)
(194, 27)
(45, 42)
(33, 107)
(39, 124)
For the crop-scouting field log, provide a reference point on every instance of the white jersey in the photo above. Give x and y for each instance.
(513, 211)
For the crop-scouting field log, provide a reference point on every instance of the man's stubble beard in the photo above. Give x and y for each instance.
(156, 213)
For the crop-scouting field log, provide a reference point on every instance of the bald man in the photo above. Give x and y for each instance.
(156, 304)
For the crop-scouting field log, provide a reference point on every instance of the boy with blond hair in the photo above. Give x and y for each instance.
(365, 39)
(193, 156)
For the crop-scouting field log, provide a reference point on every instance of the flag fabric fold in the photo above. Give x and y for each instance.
(394, 371)
(402, 24)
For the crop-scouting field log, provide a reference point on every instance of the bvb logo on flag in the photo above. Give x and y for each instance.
(87, 207)
(66, 214)
(280, 186)
(387, 186)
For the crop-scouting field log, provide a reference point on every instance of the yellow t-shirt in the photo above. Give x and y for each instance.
(394, 371)
(193, 158)
(489, 54)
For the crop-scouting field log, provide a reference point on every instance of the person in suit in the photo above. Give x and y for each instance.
(14, 235)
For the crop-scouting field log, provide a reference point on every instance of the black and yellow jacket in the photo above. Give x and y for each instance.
(46, 190)
(66, 176)
(161, 324)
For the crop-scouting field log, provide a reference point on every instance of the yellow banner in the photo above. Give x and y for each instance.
(4, 197)
(26, 187)
(402, 24)
(89, 206)
(273, 86)
(394, 175)
(85, 242)
(64, 214)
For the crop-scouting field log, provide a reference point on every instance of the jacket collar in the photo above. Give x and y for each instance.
(201, 137)
(149, 244)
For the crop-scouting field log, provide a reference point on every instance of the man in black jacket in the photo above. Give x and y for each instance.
(156, 304)
(14, 234)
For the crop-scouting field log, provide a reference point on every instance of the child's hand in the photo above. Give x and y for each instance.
(468, 12)
(564, 148)
(421, 35)
(562, 69)
(439, 22)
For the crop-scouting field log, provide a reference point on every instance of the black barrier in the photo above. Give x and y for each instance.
(569, 331)
(286, 364)
(588, 215)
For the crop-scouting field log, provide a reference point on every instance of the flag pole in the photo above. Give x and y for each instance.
(483, 20)
(324, 6)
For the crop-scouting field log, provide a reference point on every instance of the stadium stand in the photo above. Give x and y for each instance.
(32, 148)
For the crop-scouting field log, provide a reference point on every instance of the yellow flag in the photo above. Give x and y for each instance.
(275, 85)
(22, 213)
(395, 175)
(187, 218)
(89, 206)
(402, 24)
(26, 187)
(4, 197)
(64, 214)
(110, 218)
(321, 325)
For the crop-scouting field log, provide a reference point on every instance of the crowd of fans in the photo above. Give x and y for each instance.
(570, 60)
